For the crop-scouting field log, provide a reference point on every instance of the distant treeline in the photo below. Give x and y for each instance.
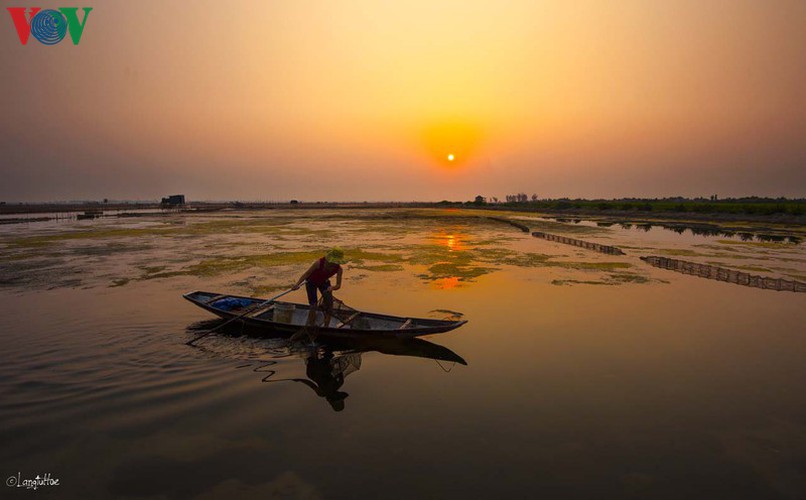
(752, 205)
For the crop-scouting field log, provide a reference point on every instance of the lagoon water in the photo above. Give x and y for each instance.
(586, 375)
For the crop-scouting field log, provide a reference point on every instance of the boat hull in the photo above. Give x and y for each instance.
(373, 325)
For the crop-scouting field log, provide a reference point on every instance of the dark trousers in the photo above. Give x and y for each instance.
(311, 288)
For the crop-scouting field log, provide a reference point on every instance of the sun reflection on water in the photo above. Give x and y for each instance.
(446, 283)
(451, 239)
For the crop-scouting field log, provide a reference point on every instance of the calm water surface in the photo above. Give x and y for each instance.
(586, 375)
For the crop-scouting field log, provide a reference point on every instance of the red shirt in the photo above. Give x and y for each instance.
(322, 273)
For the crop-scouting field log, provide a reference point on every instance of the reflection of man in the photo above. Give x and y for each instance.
(326, 374)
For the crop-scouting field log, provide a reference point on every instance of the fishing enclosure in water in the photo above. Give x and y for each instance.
(722, 274)
(610, 250)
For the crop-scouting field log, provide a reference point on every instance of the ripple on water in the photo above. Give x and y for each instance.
(105, 373)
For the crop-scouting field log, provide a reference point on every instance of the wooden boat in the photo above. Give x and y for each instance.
(289, 318)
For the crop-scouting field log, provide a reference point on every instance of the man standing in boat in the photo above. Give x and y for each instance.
(317, 277)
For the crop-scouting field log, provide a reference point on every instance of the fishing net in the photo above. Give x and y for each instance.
(341, 311)
(340, 315)
(346, 364)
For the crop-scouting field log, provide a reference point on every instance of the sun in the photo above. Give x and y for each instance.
(450, 142)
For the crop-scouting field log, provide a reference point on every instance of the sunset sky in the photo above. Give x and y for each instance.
(365, 100)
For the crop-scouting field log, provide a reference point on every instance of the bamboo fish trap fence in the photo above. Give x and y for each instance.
(610, 250)
(723, 274)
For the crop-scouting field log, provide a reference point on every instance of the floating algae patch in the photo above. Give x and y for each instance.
(30, 265)
(591, 266)
(109, 249)
(438, 246)
(22, 255)
(275, 228)
(445, 314)
(578, 282)
(229, 265)
(466, 265)
(119, 282)
(502, 256)
(628, 278)
(232, 264)
(493, 254)
(611, 279)
(759, 244)
(40, 273)
(378, 267)
(680, 252)
(393, 229)
(489, 242)
(49, 239)
(358, 256)
(152, 269)
(721, 249)
(444, 262)
(404, 222)
(512, 258)
(452, 270)
(434, 254)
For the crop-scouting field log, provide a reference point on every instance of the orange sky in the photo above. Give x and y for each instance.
(364, 100)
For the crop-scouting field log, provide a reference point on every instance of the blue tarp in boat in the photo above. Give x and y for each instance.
(230, 303)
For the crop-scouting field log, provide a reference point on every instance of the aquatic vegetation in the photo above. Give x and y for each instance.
(195, 229)
(759, 244)
(592, 266)
(516, 259)
(50, 239)
(680, 252)
(452, 270)
(612, 279)
(231, 264)
(379, 268)
(578, 282)
(47, 273)
(20, 255)
(488, 242)
(428, 254)
(629, 278)
(443, 312)
(444, 248)
(358, 256)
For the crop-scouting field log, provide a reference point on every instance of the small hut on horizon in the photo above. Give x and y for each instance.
(173, 201)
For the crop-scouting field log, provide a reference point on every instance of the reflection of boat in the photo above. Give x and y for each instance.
(288, 317)
(327, 366)
(393, 346)
(331, 360)
(417, 348)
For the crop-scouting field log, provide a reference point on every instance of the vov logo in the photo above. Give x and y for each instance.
(48, 26)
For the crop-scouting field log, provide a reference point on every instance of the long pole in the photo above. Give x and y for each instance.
(191, 342)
